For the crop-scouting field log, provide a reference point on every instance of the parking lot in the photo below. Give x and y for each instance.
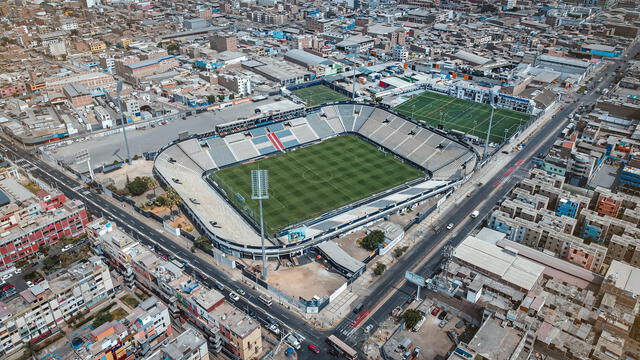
(436, 336)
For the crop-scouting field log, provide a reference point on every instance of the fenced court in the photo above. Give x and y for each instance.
(463, 115)
(313, 180)
(319, 94)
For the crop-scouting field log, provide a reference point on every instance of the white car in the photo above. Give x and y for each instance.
(368, 328)
(67, 248)
(18, 271)
(29, 284)
(6, 276)
(233, 296)
(450, 226)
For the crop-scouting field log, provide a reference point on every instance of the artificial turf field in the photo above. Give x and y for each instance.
(313, 180)
(462, 115)
(318, 94)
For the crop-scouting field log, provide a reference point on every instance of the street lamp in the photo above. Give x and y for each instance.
(260, 191)
(123, 120)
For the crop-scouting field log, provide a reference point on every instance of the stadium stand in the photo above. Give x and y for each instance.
(348, 118)
(320, 126)
(243, 149)
(303, 132)
(364, 113)
(220, 152)
(194, 151)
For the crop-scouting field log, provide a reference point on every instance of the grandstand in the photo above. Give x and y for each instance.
(444, 161)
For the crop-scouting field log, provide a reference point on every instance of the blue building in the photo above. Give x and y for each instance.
(591, 232)
(601, 50)
(630, 177)
(568, 208)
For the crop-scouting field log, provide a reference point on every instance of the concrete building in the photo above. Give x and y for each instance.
(103, 117)
(239, 84)
(223, 42)
(43, 309)
(78, 95)
(190, 345)
(400, 53)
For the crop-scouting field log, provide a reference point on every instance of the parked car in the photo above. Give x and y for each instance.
(368, 328)
(314, 348)
(233, 296)
(459, 324)
(240, 291)
(442, 323)
(67, 248)
(29, 284)
(450, 226)
(435, 311)
(442, 315)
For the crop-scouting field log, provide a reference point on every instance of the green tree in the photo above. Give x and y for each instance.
(173, 199)
(411, 318)
(211, 99)
(232, 96)
(101, 318)
(372, 240)
(173, 48)
(221, 97)
(379, 269)
(138, 186)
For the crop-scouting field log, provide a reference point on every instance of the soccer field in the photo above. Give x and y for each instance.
(313, 180)
(462, 115)
(318, 94)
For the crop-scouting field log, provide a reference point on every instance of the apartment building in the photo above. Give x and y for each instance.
(239, 84)
(41, 310)
(35, 217)
(190, 345)
(223, 324)
(223, 42)
(138, 334)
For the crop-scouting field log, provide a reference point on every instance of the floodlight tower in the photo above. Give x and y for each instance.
(123, 120)
(486, 142)
(260, 191)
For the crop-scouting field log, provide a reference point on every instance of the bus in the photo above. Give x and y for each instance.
(266, 299)
(343, 349)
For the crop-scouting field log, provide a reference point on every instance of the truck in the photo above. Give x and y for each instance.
(293, 341)
(475, 214)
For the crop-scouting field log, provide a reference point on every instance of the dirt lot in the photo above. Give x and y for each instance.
(349, 244)
(139, 167)
(182, 223)
(306, 280)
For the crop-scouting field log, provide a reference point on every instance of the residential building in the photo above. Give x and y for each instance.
(43, 309)
(223, 42)
(78, 95)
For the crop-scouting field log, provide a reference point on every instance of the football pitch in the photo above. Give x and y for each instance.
(319, 94)
(463, 115)
(310, 181)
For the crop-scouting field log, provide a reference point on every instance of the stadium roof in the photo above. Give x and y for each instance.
(471, 58)
(502, 263)
(340, 257)
(306, 58)
(148, 62)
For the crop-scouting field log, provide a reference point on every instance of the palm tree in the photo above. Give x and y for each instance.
(173, 199)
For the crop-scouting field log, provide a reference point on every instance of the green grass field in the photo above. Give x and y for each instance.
(318, 94)
(313, 180)
(462, 115)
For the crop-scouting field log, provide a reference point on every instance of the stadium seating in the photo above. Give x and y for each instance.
(220, 152)
(320, 126)
(422, 146)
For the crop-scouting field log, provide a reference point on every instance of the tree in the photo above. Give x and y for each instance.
(379, 269)
(173, 199)
(232, 96)
(397, 252)
(211, 99)
(411, 318)
(173, 48)
(488, 8)
(138, 186)
(220, 97)
(372, 240)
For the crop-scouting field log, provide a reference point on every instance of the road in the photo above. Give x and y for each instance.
(419, 259)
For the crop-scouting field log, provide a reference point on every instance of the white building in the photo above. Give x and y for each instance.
(400, 53)
(42, 310)
(57, 48)
(103, 117)
(131, 106)
(69, 25)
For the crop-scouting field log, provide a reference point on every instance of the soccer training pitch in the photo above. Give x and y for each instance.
(319, 94)
(463, 115)
(310, 181)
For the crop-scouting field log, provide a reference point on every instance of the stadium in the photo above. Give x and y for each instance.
(332, 169)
